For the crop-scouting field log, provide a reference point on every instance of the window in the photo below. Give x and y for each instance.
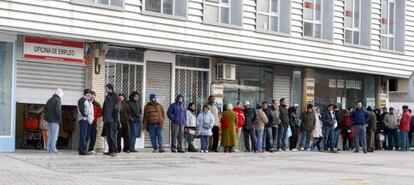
(268, 15)
(357, 22)
(108, 3)
(318, 19)
(223, 11)
(168, 7)
(392, 24)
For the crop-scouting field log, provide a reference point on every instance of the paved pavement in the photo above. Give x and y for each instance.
(344, 168)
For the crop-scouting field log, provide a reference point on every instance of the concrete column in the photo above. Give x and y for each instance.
(308, 88)
(96, 82)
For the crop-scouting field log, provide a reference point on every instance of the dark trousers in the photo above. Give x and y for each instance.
(294, 138)
(346, 140)
(92, 137)
(84, 129)
(111, 135)
(123, 132)
(268, 139)
(370, 139)
(249, 137)
(392, 136)
(214, 144)
(275, 134)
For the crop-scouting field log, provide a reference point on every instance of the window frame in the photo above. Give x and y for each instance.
(161, 14)
(269, 14)
(98, 5)
(353, 29)
(387, 35)
(313, 21)
(218, 4)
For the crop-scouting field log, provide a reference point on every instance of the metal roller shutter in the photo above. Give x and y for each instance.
(37, 81)
(281, 88)
(159, 82)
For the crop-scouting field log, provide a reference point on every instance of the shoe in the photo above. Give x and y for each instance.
(83, 153)
(113, 154)
(333, 151)
(161, 150)
(294, 150)
(365, 151)
(154, 151)
(206, 151)
(174, 151)
(92, 152)
(302, 149)
(127, 151)
(356, 151)
(107, 153)
(181, 151)
(134, 151)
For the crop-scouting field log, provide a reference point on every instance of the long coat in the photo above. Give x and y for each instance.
(228, 135)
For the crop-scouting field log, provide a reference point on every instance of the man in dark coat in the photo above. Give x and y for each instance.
(284, 124)
(249, 128)
(111, 118)
(134, 115)
(53, 116)
(329, 124)
(123, 125)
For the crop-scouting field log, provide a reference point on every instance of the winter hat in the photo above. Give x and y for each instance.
(296, 105)
(310, 106)
(59, 92)
(258, 106)
(152, 96)
(246, 103)
(229, 106)
(369, 108)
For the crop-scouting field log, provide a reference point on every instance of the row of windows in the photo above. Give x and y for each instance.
(274, 16)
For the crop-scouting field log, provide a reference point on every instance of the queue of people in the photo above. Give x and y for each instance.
(265, 127)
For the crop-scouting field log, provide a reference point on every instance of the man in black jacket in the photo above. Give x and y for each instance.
(111, 118)
(284, 124)
(249, 127)
(134, 113)
(53, 116)
(268, 135)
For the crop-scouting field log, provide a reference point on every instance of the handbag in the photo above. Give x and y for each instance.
(289, 132)
(224, 122)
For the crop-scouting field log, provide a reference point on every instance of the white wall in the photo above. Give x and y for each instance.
(61, 18)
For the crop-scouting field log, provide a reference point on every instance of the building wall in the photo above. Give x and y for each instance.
(132, 27)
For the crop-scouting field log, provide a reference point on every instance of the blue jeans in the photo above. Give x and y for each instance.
(360, 137)
(336, 137)
(259, 139)
(305, 140)
(329, 137)
(53, 129)
(155, 132)
(404, 140)
(84, 130)
(392, 136)
(205, 142)
(134, 128)
(268, 138)
(281, 144)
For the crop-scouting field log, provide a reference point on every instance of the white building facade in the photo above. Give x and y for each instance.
(308, 51)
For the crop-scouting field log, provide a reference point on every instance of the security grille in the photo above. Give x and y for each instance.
(125, 77)
(193, 85)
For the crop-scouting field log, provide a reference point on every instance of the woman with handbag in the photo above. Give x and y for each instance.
(229, 126)
(205, 124)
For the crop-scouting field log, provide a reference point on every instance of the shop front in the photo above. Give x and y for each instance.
(346, 89)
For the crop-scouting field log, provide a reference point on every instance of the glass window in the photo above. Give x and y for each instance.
(168, 7)
(191, 61)
(308, 29)
(274, 22)
(313, 15)
(263, 5)
(356, 37)
(223, 11)
(263, 22)
(123, 54)
(348, 36)
(318, 11)
(388, 26)
(268, 15)
(353, 21)
(275, 6)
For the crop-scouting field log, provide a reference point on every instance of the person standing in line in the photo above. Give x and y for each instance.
(241, 121)
(85, 118)
(249, 128)
(268, 135)
(261, 121)
(111, 119)
(154, 117)
(177, 115)
(346, 130)
(386, 133)
(228, 125)
(338, 128)
(379, 133)
(276, 122)
(307, 126)
(360, 118)
(134, 114)
(53, 116)
(410, 134)
(405, 124)
(284, 124)
(329, 124)
(391, 124)
(372, 127)
(191, 126)
(294, 127)
(317, 132)
(205, 123)
(123, 126)
(97, 113)
(212, 105)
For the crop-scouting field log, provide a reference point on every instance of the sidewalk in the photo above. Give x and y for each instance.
(214, 168)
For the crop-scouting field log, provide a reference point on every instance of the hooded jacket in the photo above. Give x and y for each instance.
(53, 110)
(134, 111)
(390, 121)
(111, 108)
(191, 119)
(250, 115)
(240, 117)
(360, 116)
(405, 122)
(205, 122)
(176, 112)
(372, 125)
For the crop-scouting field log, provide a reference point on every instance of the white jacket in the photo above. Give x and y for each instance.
(205, 122)
(191, 119)
(317, 132)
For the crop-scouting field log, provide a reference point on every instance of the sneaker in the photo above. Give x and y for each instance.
(92, 152)
(154, 151)
(113, 154)
(279, 150)
(134, 151)
(161, 150)
(302, 149)
(365, 151)
(173, 151)
(181, 151)
(356, 151)
(294, 150)
(206, 151)
(106, 153)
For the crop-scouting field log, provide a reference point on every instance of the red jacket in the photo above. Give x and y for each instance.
(405, 121)
(240, 117)
(97, 111)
